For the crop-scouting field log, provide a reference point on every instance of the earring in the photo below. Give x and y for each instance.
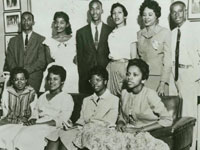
(143, 81)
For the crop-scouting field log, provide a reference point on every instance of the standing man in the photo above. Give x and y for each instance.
(92, 45)
(186, 61)
(26, 50)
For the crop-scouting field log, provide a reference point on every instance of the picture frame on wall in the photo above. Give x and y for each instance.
(7, 39)
(194, 9)
(12, 22)
(11, 4)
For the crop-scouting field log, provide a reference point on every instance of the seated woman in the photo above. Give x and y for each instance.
(141, 111)
(99, 108)
(52, 109)
(16, 102)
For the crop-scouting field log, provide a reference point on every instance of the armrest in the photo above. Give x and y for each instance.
(180, 124)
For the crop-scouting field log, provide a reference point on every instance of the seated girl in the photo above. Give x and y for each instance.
(16, 102)
(141, 111)
(99, 108)
(52, 109)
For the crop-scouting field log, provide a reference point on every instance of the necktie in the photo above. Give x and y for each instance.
(177, 54)
(98, 99)
(26, 40)
(96, 37)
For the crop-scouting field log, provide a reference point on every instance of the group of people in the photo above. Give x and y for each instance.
(107, 63)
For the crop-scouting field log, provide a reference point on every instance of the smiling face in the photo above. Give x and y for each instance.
(178, 14)
(95, 12)
(134, 77)
(27, 22)
(118, 16)
(98, 84)
(19, 82)
(54, 82)
(149, 17)
(60, 25)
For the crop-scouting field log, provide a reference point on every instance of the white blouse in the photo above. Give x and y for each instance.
(119, 42)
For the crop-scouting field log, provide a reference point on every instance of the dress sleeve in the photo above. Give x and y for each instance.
(167, 63)
(158, 108)
(4, 103)
(81, 119)
(121, 106)
(65, 110)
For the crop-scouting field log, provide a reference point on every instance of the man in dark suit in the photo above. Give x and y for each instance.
(26, 50)
(92, 46)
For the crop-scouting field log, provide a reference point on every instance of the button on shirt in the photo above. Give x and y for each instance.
(93, 29)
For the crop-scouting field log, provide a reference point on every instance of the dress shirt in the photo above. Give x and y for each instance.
(93, 29)
(24, 36)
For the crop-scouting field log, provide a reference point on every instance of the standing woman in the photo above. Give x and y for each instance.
(63, 51)
(121, 42)
(154, 47)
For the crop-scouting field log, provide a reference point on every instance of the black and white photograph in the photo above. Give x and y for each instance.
(12, 22)
(11, 4)
(101, 75)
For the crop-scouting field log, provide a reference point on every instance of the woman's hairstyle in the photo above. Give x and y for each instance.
(57, 70)
(61, 14)
(151, 4)
(121, 6)
(142, 65)
(100, 71)
(17, 70)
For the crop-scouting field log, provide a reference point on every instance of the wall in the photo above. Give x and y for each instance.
(24, 7)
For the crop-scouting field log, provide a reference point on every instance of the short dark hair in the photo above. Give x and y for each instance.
(175, 3)
(142, 65)
(58, 70)
(17, 70)
(28, 13)
(94, 1)
(100, 71)
(119, 5)
(61, 14)
(151, 4)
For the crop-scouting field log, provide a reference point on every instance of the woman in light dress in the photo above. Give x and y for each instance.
(121, 43)
(154, 44)
(63, 51)
(52, 110)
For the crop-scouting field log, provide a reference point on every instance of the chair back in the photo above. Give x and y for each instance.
(173, 105)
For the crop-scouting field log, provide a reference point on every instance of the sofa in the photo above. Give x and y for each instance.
(178, 136)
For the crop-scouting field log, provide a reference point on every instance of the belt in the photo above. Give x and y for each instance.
(184, 66)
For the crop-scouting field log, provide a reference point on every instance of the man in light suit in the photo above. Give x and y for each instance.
(186, 61)
(26, 50)
(92, 46)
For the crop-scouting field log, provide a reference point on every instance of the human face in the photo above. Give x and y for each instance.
(27, 22)
(98, 84)
(95, 12)
(134, 77)
(55, 83)
(149, 17)
(118, 16)
(178, 14)
(60, 25)
(19, 82)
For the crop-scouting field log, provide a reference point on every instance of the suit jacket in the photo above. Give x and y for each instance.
(88, 56)
(32, 58)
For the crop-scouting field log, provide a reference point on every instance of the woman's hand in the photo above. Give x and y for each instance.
(161, 89)
(30, 122)
(120, 126)
(133, 129)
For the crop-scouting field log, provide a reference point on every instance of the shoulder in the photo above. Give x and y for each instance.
(66, 96)
(111, 97)
(15, 38)
(152, 95)
(163, 30)
(83, 29)
(40, 37)
(107, 27)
